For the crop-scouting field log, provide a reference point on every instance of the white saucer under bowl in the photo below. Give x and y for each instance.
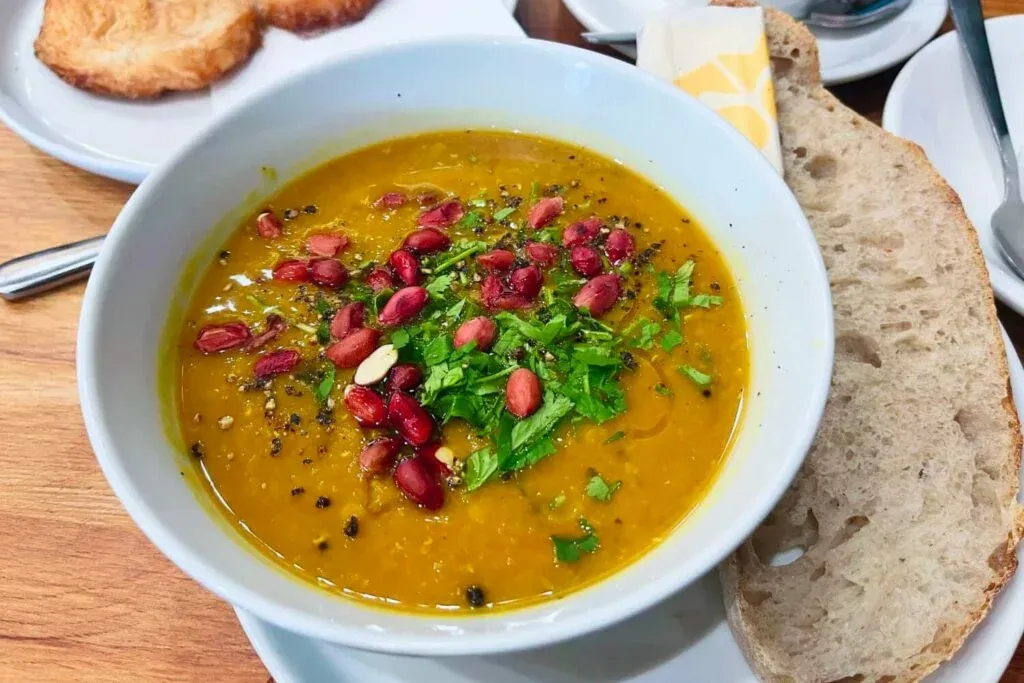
(845, 55)
(685, 638)
(935, 103)
(126, 140)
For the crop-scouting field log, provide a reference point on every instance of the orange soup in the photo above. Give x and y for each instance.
(462, 371)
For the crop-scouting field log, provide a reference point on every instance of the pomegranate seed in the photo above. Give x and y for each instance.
(275, 326)
(390, 200)
(598, 295)
(544, 211)
(379, 455)
(522, 393)
(496, 260)
(409, 419)
(481, 330)
(404, 377)
(214, 338)
(542, 254)
(328, 272)
(586, 261)
(581, 232)
(526, 281)
(275, 363)
(292, 271)
(348, 318)
(426, 241)
(354, 348)
(268, 226)
(405, 305)
(619, 246)
(326, 245)
(418, 484)
(379, 279)
(407, 267)
(444, 215)
(366, 406)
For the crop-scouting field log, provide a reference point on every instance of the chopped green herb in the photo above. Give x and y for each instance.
(400, 339)
(534, 190)
(663, 390)
(439, 286)
(614, 437)
(322, 306)
(557, 502)
(472, 219)
(477, 203)
(671, 340)
(502, 214)
(541, 422)
(705, 300)
(481, 465)
(323, 333)
(698, 377)
(571, 549)
(323, 389)
(598, 489)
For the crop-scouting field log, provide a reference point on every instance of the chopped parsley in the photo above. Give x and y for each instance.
(572, 549)
(662, 390)
(614, 437)
(699, 378)
(502, 214)
(324, 387)
(598, 489)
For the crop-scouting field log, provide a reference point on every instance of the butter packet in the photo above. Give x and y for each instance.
(720, 56)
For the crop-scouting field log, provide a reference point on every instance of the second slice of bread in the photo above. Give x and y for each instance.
(906, 505)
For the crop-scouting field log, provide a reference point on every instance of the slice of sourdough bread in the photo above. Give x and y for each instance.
(906, 506)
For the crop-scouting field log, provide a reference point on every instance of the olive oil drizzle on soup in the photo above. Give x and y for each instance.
(566, 367)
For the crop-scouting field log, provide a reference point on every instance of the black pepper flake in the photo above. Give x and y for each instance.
(198, 449)
(322, 502)
(514, 202)
(715, 287)
(505, 476)
(307, 461)
(572, 157)
(294, 418)
(298, 491)
(475, 596)
(275, 446)
(310, 209)
(291, 214)
(325, 416)
(224, 255)
(352, 527)
(618, 521)
(602, 200)
(323, 545)
(628, 360)
(706, 393)
(321, 449)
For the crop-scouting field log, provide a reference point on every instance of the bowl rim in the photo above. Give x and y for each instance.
(301, 621)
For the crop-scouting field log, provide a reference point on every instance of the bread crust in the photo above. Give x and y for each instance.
(138, 49)
(744, 576)
(313, 15)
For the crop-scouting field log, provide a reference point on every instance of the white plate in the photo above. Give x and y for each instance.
(935, 103)
(126, 140)
(684, 639)
(845, 55)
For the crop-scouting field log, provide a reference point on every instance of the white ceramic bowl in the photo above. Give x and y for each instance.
(526, 85)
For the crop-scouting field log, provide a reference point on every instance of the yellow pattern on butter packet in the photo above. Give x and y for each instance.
(720, 56)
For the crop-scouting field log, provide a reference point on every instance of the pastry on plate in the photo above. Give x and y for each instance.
(905, 510)
(313, 15)
(142, 49)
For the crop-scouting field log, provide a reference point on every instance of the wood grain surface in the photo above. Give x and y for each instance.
(83, 595)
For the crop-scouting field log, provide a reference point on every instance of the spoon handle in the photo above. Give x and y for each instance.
(970, 27)
(32, 274)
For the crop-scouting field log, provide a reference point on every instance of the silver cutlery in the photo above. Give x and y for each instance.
(1008, 219)
(33, 274)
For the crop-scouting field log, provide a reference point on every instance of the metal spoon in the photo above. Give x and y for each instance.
(1008, 219)
(33, 274)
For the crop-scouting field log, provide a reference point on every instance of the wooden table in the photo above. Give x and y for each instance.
(83, 595)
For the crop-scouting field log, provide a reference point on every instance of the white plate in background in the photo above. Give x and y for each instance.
(125, 140)
(682, 640)
(845, 55)
(935, 102)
